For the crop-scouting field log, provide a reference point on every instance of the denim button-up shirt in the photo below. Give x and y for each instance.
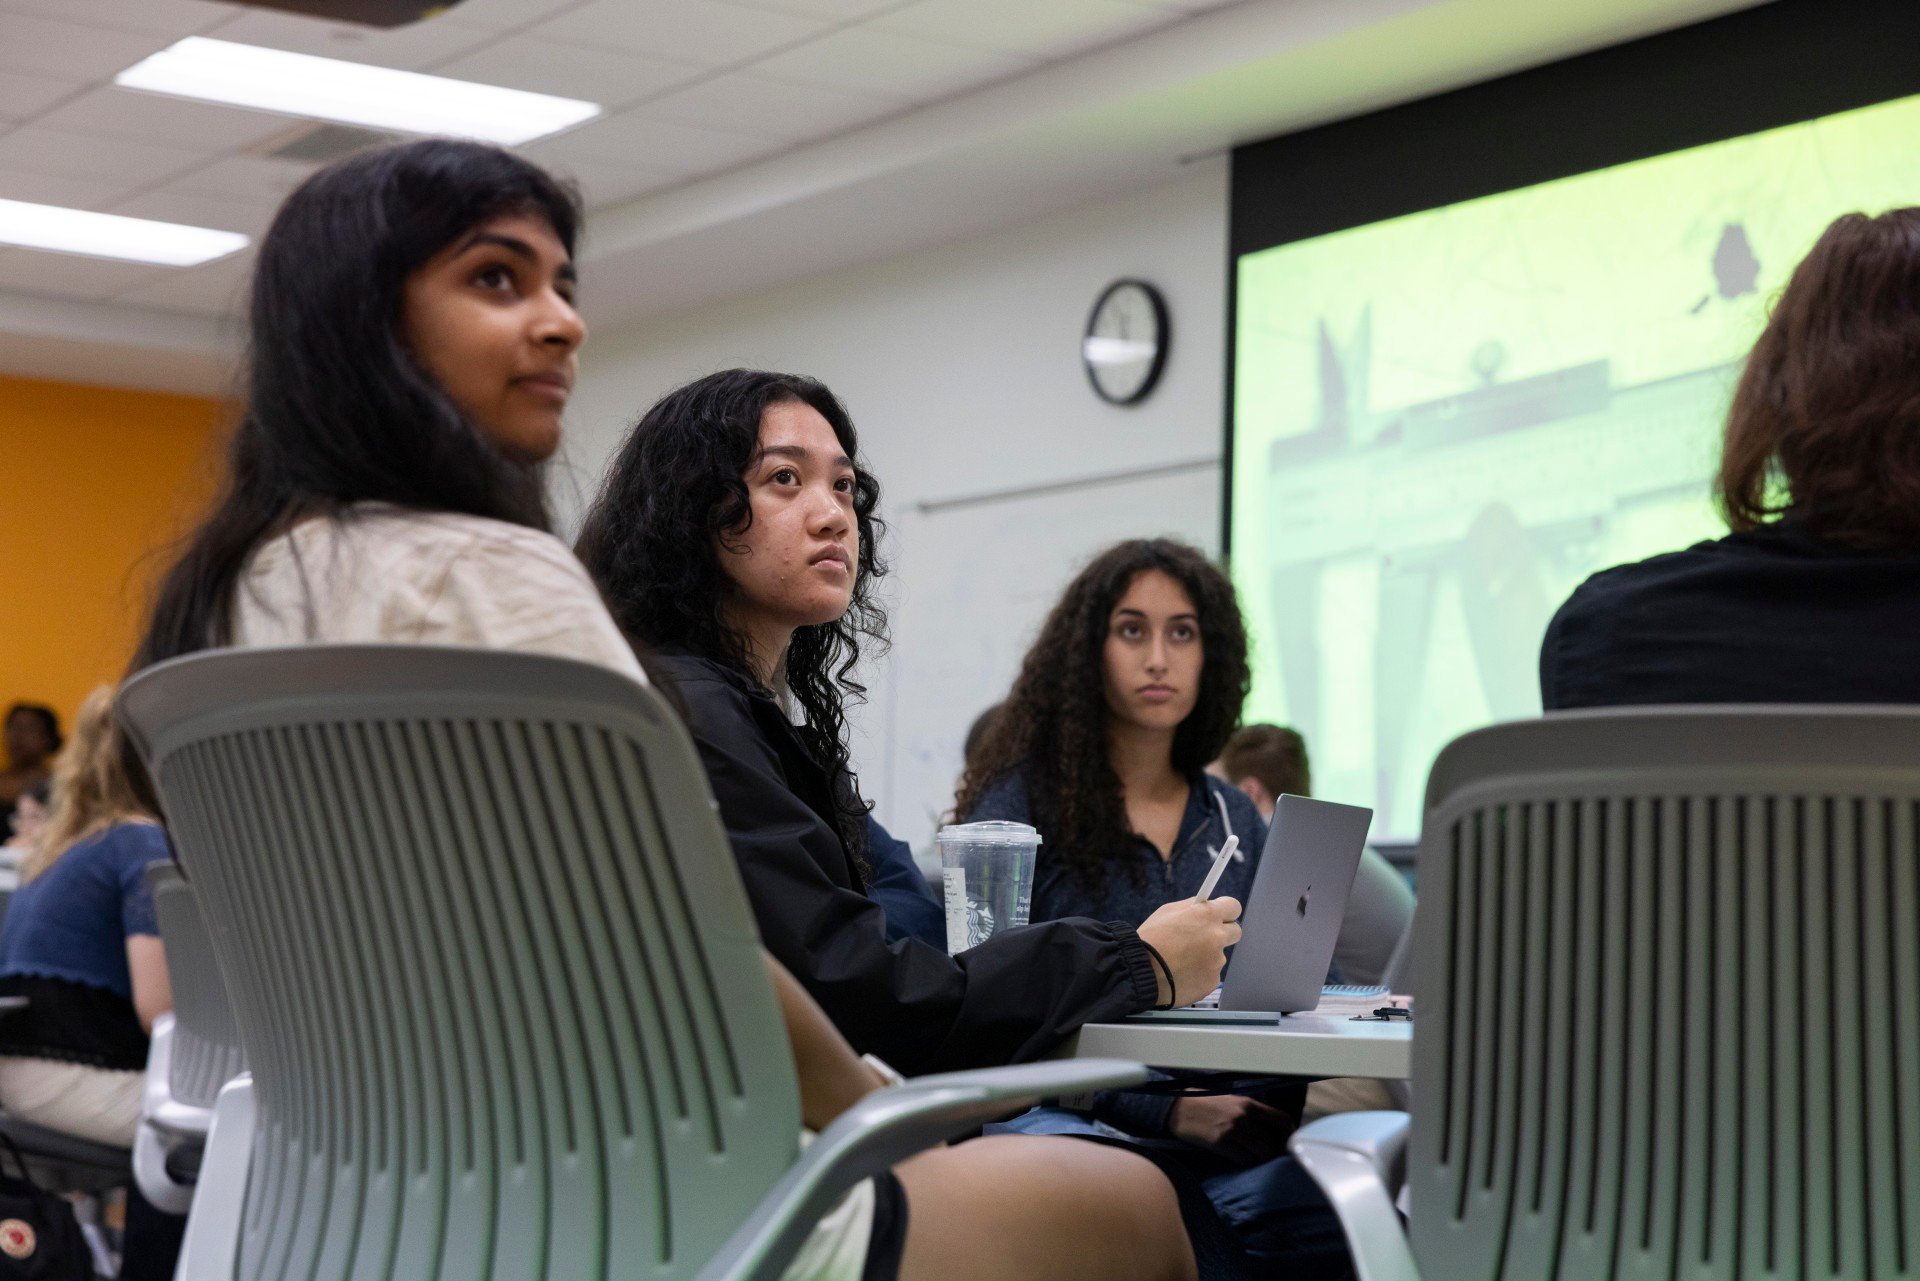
(1202, 832)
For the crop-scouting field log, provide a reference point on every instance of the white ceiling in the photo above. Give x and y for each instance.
(744, 141)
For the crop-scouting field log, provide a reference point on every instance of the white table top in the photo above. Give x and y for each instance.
(1316, 1045)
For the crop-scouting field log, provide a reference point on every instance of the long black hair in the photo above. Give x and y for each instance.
(337, 410)
(652, 538)
(1054, 723)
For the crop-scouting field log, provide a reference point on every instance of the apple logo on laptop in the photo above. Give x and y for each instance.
(1301, 907)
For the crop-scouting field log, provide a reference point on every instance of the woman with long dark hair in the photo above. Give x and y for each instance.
(735, 537)
(1814, 594)
(414, 343)
(1132, 687)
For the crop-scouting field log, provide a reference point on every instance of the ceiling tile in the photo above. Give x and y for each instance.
(170, 18)
(653, 144)
(69, 275)
(705, 32)
(82, 155)
(867, 60)
(258, 179)
(611, 77)
(204, 127)
(774, 108)
(23, 96)
(411, 48)
(1056, 29)
(605, 183)
(615, 144)
(506, 15)
(60, 189)
(67, 50)
(213, 289)
(832, 10)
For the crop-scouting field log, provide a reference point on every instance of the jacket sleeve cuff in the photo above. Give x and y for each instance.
(1145, 1115)
(1140, 968)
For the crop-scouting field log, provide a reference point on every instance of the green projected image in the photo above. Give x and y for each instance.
(1444, 422)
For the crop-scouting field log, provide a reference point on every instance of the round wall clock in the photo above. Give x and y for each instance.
(1125, 346)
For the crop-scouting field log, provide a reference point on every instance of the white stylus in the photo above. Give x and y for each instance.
(1219, 866)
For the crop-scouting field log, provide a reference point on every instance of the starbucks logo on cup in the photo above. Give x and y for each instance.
(17, 1240)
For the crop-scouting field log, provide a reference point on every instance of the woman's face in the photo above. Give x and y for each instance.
(491, 319)
(27, 741)
(1153, 653)
(794, 564)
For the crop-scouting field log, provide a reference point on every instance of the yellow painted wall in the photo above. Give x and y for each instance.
(95, 486)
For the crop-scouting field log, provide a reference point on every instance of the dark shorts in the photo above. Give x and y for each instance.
(889, 1238)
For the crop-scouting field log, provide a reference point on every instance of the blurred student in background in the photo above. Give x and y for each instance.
(1266, 762)
(1132, 687)
(1814, 594)
(81, 942)
(32, 738)
(413, 344)
(29, 816)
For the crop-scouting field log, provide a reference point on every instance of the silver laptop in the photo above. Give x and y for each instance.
(1292, 915)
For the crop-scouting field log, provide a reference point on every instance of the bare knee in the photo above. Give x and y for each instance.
(1048, 1207)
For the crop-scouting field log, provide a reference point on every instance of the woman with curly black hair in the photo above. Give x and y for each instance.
(1134, 684)
(735, 538)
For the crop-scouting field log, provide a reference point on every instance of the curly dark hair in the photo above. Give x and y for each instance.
(1054, 723)
(675, 492)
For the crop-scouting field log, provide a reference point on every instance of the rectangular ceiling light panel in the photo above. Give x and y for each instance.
(300, 84)
(98, 235)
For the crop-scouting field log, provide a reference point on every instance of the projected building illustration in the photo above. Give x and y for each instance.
(1445, 499)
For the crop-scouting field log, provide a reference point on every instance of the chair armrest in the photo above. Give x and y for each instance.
(172, 1121)
(150, 1173)
(212, 1245)
(883, 1129)
(1359, 1160)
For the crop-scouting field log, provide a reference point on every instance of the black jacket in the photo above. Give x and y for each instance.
(1010, 999)
(1773, 615)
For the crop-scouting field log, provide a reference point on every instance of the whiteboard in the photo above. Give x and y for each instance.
(973, 581)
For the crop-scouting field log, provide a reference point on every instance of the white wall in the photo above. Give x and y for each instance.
(960, 365)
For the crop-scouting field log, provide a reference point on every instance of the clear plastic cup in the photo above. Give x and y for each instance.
(987, 875)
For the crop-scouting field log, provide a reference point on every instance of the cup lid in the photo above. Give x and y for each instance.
(992, 832)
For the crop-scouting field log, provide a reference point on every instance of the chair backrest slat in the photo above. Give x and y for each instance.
(1668, 981)
(206, 1051)
(496, 977)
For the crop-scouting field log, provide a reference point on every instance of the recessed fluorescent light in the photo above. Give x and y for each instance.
(299, 84)
(98, 235)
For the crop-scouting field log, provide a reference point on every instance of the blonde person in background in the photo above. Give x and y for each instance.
(80, 942)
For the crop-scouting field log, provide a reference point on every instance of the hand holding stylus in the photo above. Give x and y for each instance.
(1219, 866)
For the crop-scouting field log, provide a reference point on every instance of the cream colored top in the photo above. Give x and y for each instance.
(385, 574)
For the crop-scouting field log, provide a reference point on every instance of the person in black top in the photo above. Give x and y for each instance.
(1814, 595)
(735, 538)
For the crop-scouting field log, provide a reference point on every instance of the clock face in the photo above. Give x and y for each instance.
(1126, 342)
